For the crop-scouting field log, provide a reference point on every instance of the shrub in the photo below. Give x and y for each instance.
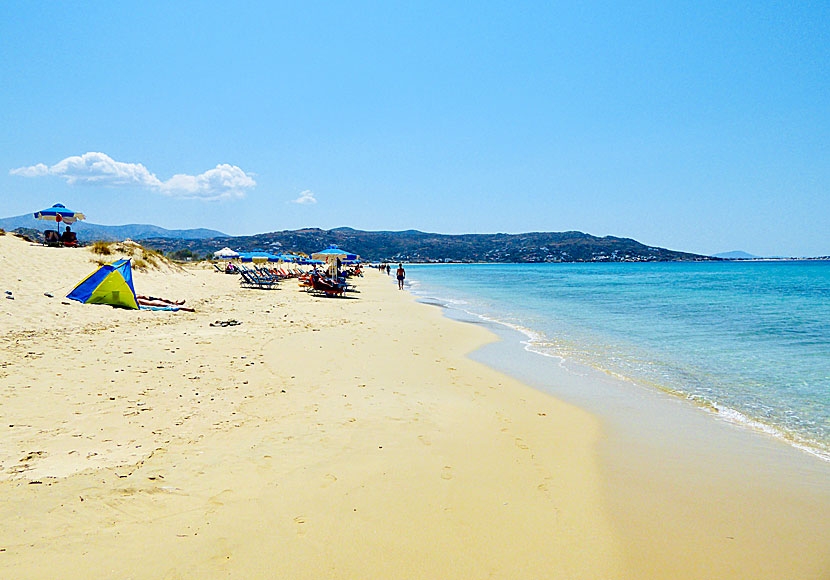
(103, 248)
(150, 256)
(184, 255)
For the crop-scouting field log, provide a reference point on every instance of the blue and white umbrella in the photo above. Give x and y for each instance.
(257, 256)
(59, 213)
(333, 252)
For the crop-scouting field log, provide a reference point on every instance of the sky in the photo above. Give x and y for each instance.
(697, 126)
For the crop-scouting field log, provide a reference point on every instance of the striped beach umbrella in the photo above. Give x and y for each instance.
(59, 213)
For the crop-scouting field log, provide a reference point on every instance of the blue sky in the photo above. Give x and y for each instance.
(700, 126)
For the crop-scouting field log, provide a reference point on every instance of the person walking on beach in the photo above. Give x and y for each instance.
(401, 276)
(388, 270)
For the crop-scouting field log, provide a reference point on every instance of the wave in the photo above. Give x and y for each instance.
(538, 343)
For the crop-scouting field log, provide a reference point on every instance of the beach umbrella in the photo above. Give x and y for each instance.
(225, 253)
(59, 213)
(256, 256)
(332, 253)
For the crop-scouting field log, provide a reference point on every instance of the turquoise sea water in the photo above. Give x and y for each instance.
(750, 340)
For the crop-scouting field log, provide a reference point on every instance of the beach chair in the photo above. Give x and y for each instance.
(326, 286)
(52, 238)
(69, 239)
(267, 274)
(249, 279)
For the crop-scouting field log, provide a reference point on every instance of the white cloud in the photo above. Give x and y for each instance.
(31, 171)
(222, 182)
(225, 181)
(306, 196)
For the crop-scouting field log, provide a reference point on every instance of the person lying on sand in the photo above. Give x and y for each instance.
(161, 303)
(157, 299)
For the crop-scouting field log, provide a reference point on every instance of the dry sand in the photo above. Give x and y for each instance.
(320, 438)
(333, 438)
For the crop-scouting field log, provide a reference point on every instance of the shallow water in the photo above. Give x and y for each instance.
(748, 339)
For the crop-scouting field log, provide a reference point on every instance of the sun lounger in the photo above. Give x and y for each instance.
(52, 238)
(69, 239)
(326, 286)
(269, 274)
(250, 279)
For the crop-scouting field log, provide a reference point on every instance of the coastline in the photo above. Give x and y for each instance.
(319, 438)
(691, 495)
(681, 369)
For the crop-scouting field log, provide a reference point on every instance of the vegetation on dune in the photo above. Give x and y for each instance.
(151, 257)
(143, 259)
(101, 247)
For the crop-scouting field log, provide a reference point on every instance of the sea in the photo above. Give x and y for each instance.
(747, 341)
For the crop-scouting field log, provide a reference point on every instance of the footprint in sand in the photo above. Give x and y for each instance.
(328, 480)
(520, 443)
(221, 552)
(446, 473)
(424, 440)
(220, 498)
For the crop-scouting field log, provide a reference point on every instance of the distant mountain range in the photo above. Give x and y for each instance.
(416, 246)
(87, 231)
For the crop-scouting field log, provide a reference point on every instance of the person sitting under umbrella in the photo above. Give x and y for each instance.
(68, 238)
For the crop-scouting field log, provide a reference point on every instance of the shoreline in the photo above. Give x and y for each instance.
(715, 410)
(658, 452)
(714, 404)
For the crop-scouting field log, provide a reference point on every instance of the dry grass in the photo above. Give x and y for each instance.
(103, 248)
(151, 256)
(143, 259)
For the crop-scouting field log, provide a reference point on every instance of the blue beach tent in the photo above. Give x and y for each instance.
(110, 284)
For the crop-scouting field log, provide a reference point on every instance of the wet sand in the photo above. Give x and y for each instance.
(691, 495)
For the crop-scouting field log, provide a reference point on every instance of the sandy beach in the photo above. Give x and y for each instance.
(320, 438)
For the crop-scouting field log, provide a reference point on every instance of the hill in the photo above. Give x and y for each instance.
(416, 246)
(736, 255)
(88, 231)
